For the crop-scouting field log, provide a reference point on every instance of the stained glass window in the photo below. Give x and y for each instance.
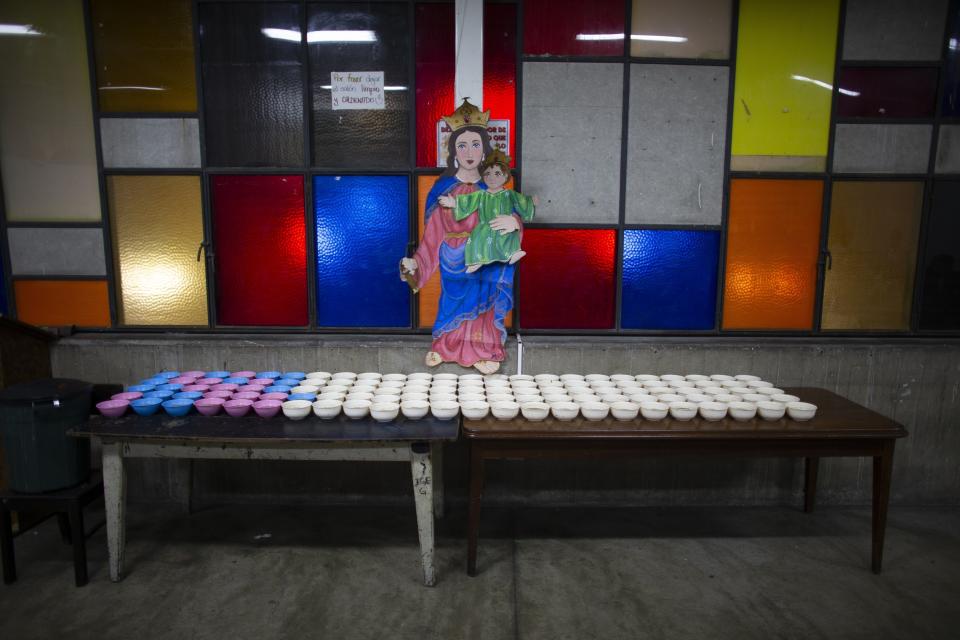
(53, 303)
(573, 28)
(680, 29)
(887, 92)
(940, 295)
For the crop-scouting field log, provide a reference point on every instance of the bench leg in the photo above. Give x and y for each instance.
(812, 465)
(882, 470)
(79, 538)
(436, 456)
(422, 470)
(63, 522)
(114, 497)
(473, 517)
(6, 545)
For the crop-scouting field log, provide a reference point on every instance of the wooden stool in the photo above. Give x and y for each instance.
(68, 505)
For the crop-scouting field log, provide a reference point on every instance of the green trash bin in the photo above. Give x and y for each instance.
(34, 419)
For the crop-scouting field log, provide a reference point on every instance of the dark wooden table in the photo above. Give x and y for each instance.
(840, 428)
(417, 442)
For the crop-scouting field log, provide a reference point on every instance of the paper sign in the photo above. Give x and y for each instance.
(357, 89)
(499, 131)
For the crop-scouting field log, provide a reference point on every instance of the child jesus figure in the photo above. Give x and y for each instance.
(485, 245)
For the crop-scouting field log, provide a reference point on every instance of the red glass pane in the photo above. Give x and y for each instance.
(566, 279)
(887, 92)
(435, 58)
(261, 250)
(573, 27)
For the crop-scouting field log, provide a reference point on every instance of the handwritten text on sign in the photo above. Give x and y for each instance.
(499, 131)
(357, 89)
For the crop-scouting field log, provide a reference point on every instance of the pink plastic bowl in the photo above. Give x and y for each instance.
(263, 382)
(116, 408)
(224, 387)
(127, 395)
(247, 395)
(237, 407)
(267, 408)
(183, 380)
(209, 406)
(202, 388)
(274, 395)
(226, 395)
(193, 374)
(243, 374)
(209, 381)
(250, 387)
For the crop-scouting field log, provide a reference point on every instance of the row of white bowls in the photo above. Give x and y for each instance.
(384, 397)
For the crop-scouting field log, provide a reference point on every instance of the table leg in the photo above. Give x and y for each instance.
(79, 538)
(114, 498)
(436, 456)
(811, 467)
(6, 545)
(882, 470)
(422, 470)
(473, 517)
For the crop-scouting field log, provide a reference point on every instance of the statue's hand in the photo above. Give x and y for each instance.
(536, 201)
(505, 224)
(447, 201)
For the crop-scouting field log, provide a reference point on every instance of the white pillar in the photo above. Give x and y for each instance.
(468, 82)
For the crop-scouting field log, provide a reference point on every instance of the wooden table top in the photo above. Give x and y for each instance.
(255, 430)
(836, 417)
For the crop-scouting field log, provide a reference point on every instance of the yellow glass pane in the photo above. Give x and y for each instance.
(157, 228)
(680, 29)
(47, 154)
(144, 53)
(784, 78)
(874, 232)
(429, 297)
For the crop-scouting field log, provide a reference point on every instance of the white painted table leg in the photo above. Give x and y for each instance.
(436, 456)
(114, 495)
(422, 470)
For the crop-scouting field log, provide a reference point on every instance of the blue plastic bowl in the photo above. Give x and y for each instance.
(302, 396)
(281, 388)
(142, 388)
(178, 407)
(296, 375)
(146, 406)
(168, 374)
(163, 394)
(236, 381)
(287, 382)
(218, 374)
(175, 386)
(190, 395)
(269, 374)
(154, 381)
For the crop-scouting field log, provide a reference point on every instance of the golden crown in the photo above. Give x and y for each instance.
(495, 157)
(467, 115)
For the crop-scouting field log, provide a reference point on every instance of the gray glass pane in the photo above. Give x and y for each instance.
(150, 142)
(571, 139)
(676, 143)
(948, 149)
(252, 84)
(894, 29)
(58, 252)
(882, 148)
(361, 138)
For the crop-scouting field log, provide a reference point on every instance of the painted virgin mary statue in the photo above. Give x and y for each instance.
(469, 329)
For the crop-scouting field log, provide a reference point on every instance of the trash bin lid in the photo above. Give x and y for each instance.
(46, 390)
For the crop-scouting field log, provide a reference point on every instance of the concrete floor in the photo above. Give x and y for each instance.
(353, 572)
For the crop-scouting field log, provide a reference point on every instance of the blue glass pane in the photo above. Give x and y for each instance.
(362, 232)
(669, 279)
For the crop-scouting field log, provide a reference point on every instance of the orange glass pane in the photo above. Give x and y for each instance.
(429, 296)
(53, 303)
(773, 242)
(144, 53)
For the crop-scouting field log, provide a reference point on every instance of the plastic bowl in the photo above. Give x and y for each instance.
(209, 406)
(742, 411)
(683, 411)
(183, 380)
(238, 407)
(268, 374)
(163, 395)
(267, 408)
(127, 395)
(420, 375)
(202, 388)
(274, 395)
(113, 408)
(504, 409)
(250, 388)
(535, 411)
(594, 411)
(286, 382)
(713, 411)
(305, 388)
(263, 382)
(356, 409)
(169, 387)
(178, 407)
(770, 410)
(327, 409)
(243, 374)
(444, 409)
(624, 410)
(219, 374)
(296, 409)
(475, 409)
(384, 411)
(194, 374)
(309, 397)
(236, 380)
(189, 395)
(209, 381)
(296, 375)
(145, 406)
(654, 410)
(415, 408)
(801, 411)
(141, 388)
(168, 374)
(226, 395)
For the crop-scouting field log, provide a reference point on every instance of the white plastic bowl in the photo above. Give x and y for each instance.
(504, 410)
(670, 377)
(696, 377)
(450, 377)
(388, 391)
(681, 384)
(359, 395)
(475, 409)
(584, 398)
(444, 409)
(472, 397)
(801, 411)
(759, 384)
(683, 411)
(564, 410)
(594, 411)
(527, 398)
(720, 377)
(546, 377)
(569, 377)
(410, 395)
(593, 377)
(326, 375)
(654, 410)
(754, 397)
(392, 384)
(742, 411)
(327, 409)
(535, 411)
(746, 377)
(617, 377)
(770, 410)
(726, 398)
(305, 388)
(500, 397)
(741, 390)
(356, 409)
(624, 410)
(296, 409)
(521, 376)
(770, 391)
(414, 409)
(395, 377)
(785, 398)
(671, 397)
(712, 411)
(422, 376)
(384, 411)
(646, 377)
(344, 375)
(370, 375)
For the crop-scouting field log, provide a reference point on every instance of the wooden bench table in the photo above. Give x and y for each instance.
(840, 428)
(253, 438)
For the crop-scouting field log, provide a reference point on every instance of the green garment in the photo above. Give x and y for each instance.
(484, 244)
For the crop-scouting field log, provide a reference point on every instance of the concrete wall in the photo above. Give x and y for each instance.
(915, 382)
